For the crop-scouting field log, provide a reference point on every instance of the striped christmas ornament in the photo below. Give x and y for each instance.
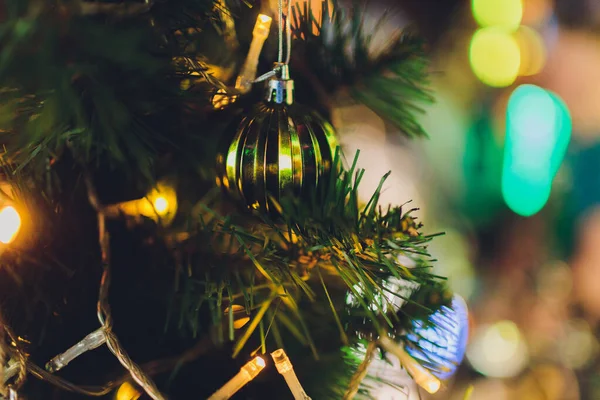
(279, 148)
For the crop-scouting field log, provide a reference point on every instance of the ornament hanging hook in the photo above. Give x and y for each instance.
(280, 69)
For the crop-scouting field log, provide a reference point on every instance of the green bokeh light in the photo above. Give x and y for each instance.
(538, 131)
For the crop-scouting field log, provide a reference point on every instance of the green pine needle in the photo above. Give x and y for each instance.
(339, 52)
(319, 251)
(104, 89)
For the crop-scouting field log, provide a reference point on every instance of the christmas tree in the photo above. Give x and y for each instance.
(177, 219)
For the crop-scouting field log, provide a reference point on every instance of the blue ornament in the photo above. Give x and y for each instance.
(439, 344)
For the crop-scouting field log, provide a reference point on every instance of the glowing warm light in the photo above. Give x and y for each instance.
(127, 392)
(264, 19)
(260, 362)
(286, 369)
(247, 75)
(422, 376)
(161, 205)
(495, 57)
(247, 373)
(505, 14)
(533, 51)
(161, 201)
(499, 350)
(538, 131)
(433, 386)
(10, 224)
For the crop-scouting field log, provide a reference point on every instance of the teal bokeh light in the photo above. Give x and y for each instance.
(538, 131)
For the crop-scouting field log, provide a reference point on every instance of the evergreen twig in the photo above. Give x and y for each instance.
(393, 82)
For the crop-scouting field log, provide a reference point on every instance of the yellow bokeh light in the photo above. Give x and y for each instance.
(498, 350)
(505, 14)
(161, 205)
(10, 224)
(495, 57)
(533, 51)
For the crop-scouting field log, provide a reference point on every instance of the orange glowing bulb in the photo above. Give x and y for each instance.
(10, 224)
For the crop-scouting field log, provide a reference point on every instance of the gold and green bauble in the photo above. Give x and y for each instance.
(279, 148)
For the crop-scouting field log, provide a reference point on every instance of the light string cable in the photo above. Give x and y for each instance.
(104, 311)
(104, 335)
(286, 369)
(15, 362)
(288, 39)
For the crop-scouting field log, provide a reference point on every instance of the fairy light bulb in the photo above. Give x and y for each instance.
(420, 374)
(10, 224)
(90, 342)
(259, 36)
(127, 392)
(286, 369)
(161, 205)
(247, 373)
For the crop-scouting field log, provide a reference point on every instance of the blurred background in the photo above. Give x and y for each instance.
(511, 174)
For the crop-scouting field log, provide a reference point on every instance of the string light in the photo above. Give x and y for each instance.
(90, 342)
(247, 373)
(247, 75)
(159, 205)
(10, 224)
(422, 376)
(11, 370)
(259, 36)
(285, 368)
(127, 392)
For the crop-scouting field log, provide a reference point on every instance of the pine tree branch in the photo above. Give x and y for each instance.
(392, 82)
(315, 253)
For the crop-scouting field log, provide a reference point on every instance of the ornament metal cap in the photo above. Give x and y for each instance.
(280, 90)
